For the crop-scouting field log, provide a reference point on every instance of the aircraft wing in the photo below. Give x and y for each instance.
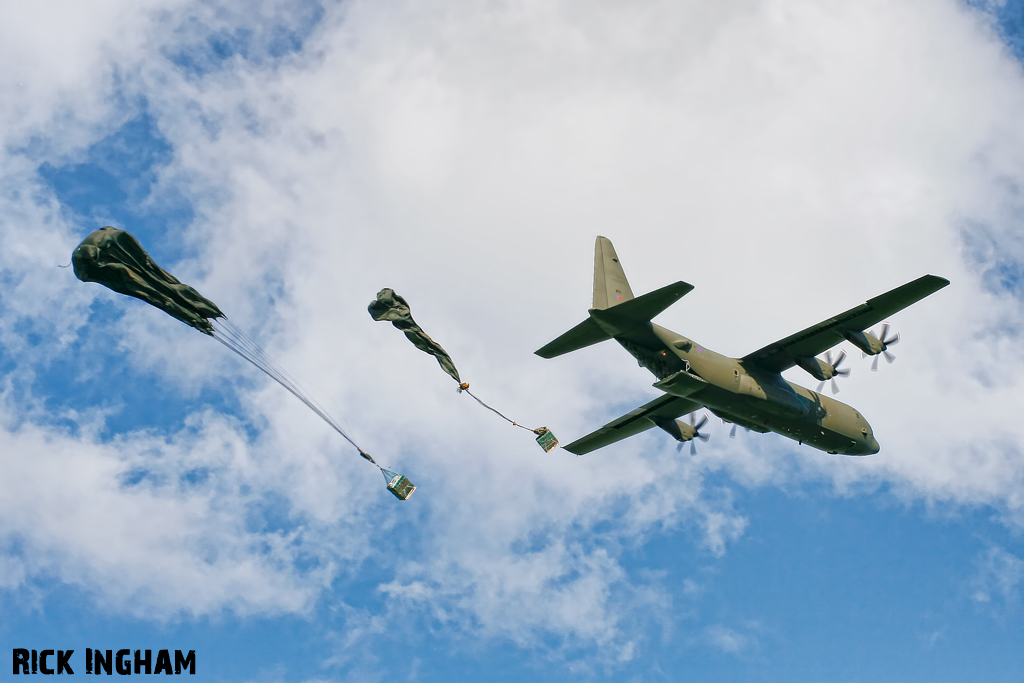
(821, 337)
(630, 424)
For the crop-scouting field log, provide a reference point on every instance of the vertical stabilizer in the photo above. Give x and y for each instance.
(610, 285)
(611, 291)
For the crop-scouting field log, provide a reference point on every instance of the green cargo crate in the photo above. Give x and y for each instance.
(399, 485)
(546, 439)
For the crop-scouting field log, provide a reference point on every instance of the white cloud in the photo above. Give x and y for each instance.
(721, 528)
(789, 159)
(12, 571)
(999, 575)
(124, 521)
(726, 639)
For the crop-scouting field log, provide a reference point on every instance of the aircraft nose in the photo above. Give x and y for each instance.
(866, 445)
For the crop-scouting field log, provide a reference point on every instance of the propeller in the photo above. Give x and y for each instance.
(732, 432)
(887, 341)
(696, 434)
(835, 370)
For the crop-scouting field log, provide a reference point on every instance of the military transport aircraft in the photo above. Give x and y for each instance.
(748, 391)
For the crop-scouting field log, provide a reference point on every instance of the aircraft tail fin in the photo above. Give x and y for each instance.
(610, 284)
(615, 310)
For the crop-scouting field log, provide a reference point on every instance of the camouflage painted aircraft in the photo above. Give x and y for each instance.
(749, 391)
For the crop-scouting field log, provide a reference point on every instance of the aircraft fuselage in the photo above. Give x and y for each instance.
(757, 400)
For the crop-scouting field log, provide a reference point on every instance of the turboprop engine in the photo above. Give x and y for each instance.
(683, 432)
(825, 370)
(870, 345)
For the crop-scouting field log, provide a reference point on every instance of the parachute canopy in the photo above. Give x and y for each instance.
(116, 260)
(391, 307)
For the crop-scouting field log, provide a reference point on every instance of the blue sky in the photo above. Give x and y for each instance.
(289, 159)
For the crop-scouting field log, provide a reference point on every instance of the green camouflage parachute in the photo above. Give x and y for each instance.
(115, 259)
(392, 308)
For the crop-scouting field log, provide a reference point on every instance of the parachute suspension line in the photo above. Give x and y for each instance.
(464, 387)
(545, 439)
(252, 350)
(239, 342)
(233, 338)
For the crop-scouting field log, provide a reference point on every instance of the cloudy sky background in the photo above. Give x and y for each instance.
(289, 159)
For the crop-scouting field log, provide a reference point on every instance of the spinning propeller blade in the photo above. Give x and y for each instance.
(887, 341)
(696, 433)
(836, 371)
(732, 432)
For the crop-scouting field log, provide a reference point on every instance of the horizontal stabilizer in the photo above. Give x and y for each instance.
(611, 322)
(628, 314)
(586, 333)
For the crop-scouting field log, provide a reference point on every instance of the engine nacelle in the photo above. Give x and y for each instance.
(818, 369)
(679, 430)
(865, 341)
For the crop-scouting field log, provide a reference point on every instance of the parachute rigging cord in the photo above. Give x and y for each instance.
(464, 387)
(228, 334)
(390, 307)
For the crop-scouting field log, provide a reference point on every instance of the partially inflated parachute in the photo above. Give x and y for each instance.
(394, 309)
(390, 307)
(115, 259)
